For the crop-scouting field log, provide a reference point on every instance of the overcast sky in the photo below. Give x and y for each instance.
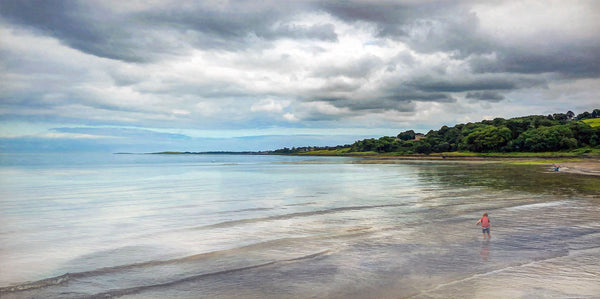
(251, 75)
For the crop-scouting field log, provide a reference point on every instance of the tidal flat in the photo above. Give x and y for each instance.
(227, 226)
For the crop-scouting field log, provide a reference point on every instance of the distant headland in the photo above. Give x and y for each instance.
(535, 136)
(214, 153)
(559, 134)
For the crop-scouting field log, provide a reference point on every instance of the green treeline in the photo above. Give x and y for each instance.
(556, 132)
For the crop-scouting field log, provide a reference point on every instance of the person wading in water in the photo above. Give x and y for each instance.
(485, 225)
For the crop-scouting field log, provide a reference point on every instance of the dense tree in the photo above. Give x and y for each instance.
(542, 122)
(533, 133)
(407, 135)
(583, 133)
(423, 148)
(542, 139)
(584, 115)
(587, 115)
(561, 117)
(517, 126)
(386, 145)
(488, 139)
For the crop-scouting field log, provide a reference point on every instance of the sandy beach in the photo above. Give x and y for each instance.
(583, 166)
(588, 167)
(227, 226)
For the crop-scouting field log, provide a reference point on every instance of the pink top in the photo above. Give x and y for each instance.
(485, 222)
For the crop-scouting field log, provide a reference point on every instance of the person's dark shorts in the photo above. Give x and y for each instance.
(485, 230)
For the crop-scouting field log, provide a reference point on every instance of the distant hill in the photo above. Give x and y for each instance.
(535, 133)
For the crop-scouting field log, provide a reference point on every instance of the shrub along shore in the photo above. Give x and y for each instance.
(562, 132)
(561, 138)
(568, 162)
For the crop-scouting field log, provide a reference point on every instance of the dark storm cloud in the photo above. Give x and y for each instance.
(409, 96)
(399, 99)
(146, 35)
(203, 64)
(149, 34)
(459, 85)
(471, 83)
(339, 86)
(372, 104)
(389, 17)
(392, 96)
(490, 96)
(238, 25)
(450, 26)
(456, 34)
(569, 60)
(428, 26)
(89, 29)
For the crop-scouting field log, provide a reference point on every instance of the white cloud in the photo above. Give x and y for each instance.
(72, 136)
(324, 66)
(519, 21)
(180, 112)
(290, 117)
(269, 105)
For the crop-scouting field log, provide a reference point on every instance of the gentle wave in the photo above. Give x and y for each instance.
(67, 277)
(525, 268)
(244, 210)
(232, 223)
(480, 275)
(538, 205)
(138, 289)
(36, 284)
(294, 215)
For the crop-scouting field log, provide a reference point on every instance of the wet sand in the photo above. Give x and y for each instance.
(588, 167)
(583, 166)
(325, 230)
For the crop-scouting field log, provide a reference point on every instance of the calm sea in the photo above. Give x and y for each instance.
(241, 226)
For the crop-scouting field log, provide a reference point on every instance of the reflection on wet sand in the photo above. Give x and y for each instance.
(485, 251)
(319, 230)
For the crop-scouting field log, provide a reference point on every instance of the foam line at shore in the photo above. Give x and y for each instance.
(67, 277)
(138, 289)
(295, 215)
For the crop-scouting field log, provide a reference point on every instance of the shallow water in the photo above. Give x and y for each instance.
(189, 226)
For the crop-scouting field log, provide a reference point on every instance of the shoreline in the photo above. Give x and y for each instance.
(573, 165)
(583, 165)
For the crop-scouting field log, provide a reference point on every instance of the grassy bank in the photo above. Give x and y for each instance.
(593, 122)
(548, 157)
